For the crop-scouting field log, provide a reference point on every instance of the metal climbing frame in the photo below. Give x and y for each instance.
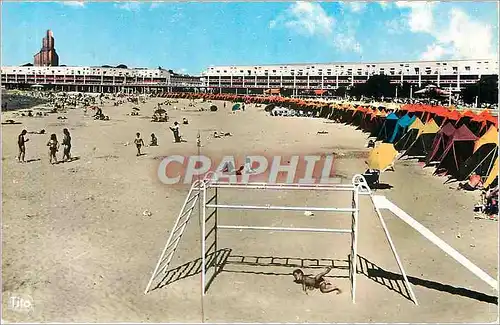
(357, 187)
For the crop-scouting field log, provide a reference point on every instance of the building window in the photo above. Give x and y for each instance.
(467, 68)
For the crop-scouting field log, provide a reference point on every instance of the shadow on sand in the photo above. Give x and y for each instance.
(392, 281)
(67, 161)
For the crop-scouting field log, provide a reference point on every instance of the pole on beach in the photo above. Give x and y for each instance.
(201, 219)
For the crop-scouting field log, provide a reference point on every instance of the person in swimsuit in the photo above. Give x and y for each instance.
(21, 141)
(138, 143)
(67, 145)
(317, 282)
(53, 148)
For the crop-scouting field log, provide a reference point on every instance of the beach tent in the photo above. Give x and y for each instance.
(484, 156)
(388, 127)
(491, 136)
(382, 156)
(410, 136)
(440, 143)
(466, 118)
(236, 107)
(480, 163)
(400, 128)
(423, 144)
(375, 122)
(493, 175)
(458, 150)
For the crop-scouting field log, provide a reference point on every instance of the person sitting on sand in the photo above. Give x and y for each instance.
(67, 145)
(185, 120)
(138, 143)
(317, 282)
(21, 141)
(154, 140)
(53, 145)
(216, 135)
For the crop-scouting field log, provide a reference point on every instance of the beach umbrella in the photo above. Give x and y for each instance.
(160, 111)
(382, 156)
(236, 107)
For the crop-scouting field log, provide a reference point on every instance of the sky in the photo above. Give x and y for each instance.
(189, 37)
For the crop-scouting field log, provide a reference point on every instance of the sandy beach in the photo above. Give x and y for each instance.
(75, 238)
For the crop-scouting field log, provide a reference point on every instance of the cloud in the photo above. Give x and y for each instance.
(433, 52)
(355, 6)
(384, 4)
(455, 35)
(129, 5)
(466, 38)
(306, 18)
(311, 20)
(421, 16)
(77, 4)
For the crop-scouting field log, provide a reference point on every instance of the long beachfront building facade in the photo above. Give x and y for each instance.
(96, 79)
(254, 79)
(454, 74)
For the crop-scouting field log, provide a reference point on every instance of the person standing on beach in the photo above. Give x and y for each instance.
(175, 131)
(67, 145)
(138, 143)
(21, 141)
(53, 145)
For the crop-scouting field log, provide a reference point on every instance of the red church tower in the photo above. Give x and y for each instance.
(47, 55)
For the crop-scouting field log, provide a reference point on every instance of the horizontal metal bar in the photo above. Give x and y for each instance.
(295, 185)
(346, 231)
(349, 188)
(271, 207)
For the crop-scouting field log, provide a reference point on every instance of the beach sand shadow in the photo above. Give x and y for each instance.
(381, 186)
(72, 159)
(394, 282)
(33, 160)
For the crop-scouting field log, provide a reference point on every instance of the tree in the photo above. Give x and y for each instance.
(486, 91)
(379, 86)
(121, 66)
(358, 90)
(404, 90)
(340, 91)
(469, 93)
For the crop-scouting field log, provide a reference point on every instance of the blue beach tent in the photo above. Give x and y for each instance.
(388, 127)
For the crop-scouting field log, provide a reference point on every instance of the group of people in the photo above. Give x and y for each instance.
(53, 145)
(139, 143)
